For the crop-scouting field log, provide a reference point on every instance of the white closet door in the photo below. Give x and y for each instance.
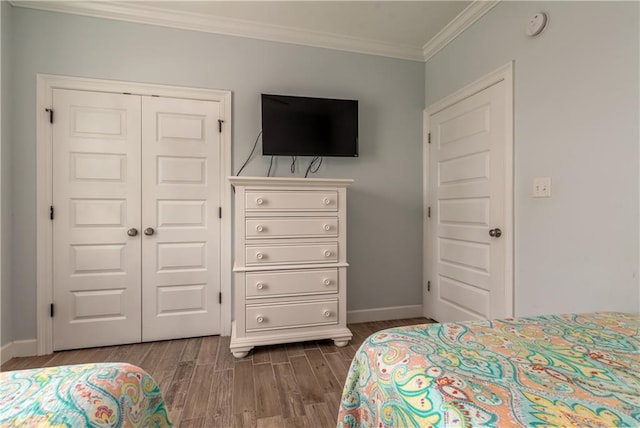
(96, 196)
(180, 199)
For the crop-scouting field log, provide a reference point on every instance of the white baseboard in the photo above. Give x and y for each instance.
(18, 348)
(383, 314)
(6, 353)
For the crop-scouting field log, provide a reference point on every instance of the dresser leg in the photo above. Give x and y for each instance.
(340, 342)
(241, 353)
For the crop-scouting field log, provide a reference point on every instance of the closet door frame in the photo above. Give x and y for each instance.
(44, 171)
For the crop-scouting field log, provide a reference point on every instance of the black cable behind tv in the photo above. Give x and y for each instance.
(302, 126)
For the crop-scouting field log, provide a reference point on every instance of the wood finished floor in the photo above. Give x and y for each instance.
(292, 385)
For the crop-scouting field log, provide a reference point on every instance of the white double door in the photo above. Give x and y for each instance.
(136, 234)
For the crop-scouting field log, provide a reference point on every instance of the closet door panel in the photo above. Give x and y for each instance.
(181, 228)
(96, 197)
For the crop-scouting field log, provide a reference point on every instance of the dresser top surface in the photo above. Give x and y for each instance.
(289, 181)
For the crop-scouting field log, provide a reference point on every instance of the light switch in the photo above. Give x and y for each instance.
(542, 187)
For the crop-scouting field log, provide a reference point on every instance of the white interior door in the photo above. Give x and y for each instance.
(467, 173)
(180, 200)
(96, 195)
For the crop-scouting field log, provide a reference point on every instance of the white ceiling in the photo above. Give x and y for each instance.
(413, 30)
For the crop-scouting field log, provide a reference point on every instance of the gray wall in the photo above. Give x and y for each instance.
(384, 214)
(576, 120)
(6, 334)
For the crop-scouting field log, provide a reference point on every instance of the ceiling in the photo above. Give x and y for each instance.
(412, 30)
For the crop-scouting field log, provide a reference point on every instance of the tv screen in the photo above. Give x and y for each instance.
(301, 126)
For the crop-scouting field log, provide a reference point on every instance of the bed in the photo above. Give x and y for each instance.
(85, 395)
(561, 370)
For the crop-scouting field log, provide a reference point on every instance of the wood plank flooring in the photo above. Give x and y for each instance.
(291, 385)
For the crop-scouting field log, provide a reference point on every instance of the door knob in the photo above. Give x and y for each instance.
(495, 233)
(132, 232)
(149, 231)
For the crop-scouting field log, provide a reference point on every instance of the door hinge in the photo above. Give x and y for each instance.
(429, 137)
(51, 310)
(428, 285)
(50, 111)
(429, 212)
(220, 297)
(219, 212)
(220, 122)
(51, 212)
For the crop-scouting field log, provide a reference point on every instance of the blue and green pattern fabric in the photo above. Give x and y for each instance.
(86, 395)
(560, 370)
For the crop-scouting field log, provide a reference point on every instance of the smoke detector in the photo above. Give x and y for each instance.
(536, 24)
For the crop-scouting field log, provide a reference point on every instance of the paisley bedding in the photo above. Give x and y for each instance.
(561, 370)
(86, 395)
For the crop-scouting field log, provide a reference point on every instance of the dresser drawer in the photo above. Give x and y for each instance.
(289, 315)
(292, 254)
(268, 284)
(294, 200)
(294, 227)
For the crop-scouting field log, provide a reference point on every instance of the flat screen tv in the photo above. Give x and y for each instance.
(301, 126)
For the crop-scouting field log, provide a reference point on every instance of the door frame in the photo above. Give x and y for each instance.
(46, 83)
(504, 73)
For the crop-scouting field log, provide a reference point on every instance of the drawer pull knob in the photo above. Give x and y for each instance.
(326, 281)
(259, 286)
(326, 227)
(327, 314)
(259, 201)
(327, 253)
(259, 319)
(259, 228)
(259, 256)
(326, 201)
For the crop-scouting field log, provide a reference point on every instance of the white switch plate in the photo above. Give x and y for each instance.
(542, 187)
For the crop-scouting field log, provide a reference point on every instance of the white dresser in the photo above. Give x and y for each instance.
(290, 261)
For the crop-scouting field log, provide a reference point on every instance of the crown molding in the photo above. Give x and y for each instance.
(476, 10)
(145, 14)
